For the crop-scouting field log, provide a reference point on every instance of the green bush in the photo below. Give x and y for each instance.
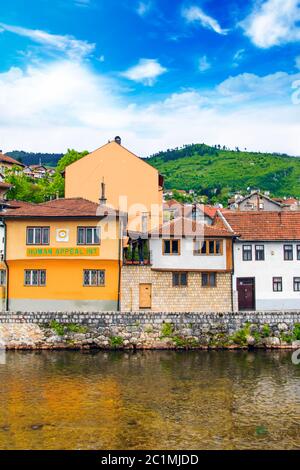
(266, 331)
(59, 328)
(296, 331)
(116, 341)
(167, 329)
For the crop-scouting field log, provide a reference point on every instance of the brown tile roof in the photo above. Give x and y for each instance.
(263, 225)
(6, 159)
(172, 204)
(183, 227)
(71, 207)
(14, 203)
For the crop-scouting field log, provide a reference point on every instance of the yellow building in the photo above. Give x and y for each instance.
(131, 184)
(63, 255)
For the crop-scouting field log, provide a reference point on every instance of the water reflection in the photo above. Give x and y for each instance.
(149, 400)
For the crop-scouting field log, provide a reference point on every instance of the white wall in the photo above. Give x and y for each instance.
(1, 240)
(274, 265)
(186, 259)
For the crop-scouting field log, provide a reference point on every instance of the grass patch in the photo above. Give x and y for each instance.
(63, 328)
(167, 330)
(116, 341)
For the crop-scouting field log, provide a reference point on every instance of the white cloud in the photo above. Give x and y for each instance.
(195, 14)
(65, 104)
(273, 22)
(203, 64)
(297, 62)
(73, 48)
(146, 71)
(143, 8)
(238, 57)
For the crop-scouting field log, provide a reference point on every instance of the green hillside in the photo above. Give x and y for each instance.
(214, 171)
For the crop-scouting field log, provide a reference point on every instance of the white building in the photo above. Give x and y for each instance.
(266, 259)
(189, 269)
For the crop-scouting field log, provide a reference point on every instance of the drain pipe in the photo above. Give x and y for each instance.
(6, 265)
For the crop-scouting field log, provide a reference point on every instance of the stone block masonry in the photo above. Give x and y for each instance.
(168, 298)
(149, 330)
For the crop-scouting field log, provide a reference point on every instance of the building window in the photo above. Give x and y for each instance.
(288, 252)
(171, 247)
(2, 277)
(208, 247)
(180, 279)
(297, 284)
(209, 279)
(259, 252)
(88, 235)
(35, 277)
(277, 284)
(247, 252)
(298, 252)
(37, 235)
(93, 277)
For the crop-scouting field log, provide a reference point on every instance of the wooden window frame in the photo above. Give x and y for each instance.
(285, 250)
(85, 228)
(245, 251)
(171, 240)
(98, 277)
(209, 285)
(38, 271)
(179, 274)
(277, 282)
(207, 241)
(42, 228)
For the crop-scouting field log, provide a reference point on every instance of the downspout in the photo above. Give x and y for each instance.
(6, 265)
(232, 273)
(120, 262)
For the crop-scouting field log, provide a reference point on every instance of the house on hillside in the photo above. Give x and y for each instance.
(266, 258)
(188, 267)
(7, 162)
(199, 212)
(131, 184)
(256, 201)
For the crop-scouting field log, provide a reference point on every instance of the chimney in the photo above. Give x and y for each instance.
(118, 140)
(102, 199)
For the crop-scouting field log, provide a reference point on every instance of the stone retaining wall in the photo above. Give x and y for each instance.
(149, 330)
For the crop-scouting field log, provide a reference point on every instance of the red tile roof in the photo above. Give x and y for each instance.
(183, 227)
(71, 207)
(263, 225)
(6, 159)
(210, 211)
(172, 204)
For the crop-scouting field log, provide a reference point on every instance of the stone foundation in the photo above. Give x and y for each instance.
(149, 330)
(167, 298)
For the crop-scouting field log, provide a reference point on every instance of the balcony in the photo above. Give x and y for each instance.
(137, 253)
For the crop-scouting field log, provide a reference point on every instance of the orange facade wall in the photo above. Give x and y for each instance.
(125, 175)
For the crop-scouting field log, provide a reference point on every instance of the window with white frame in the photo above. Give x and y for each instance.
(297, 284)
(93, 277)
(88, 235)
(288, 252)
(35, 277)
(37, 235)
(298, 252)
(277, 284)
(259, 252)
(247, 252)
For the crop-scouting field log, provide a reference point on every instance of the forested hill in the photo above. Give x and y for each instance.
(31, 158)
(217, 170)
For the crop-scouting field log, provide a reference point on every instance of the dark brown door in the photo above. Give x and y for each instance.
(246, 293)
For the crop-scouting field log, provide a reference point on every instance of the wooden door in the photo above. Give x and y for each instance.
(145, 295)
(246, 293)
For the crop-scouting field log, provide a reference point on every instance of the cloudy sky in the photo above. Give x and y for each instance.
(160, 73)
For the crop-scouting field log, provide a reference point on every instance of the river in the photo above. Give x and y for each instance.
(149, 400)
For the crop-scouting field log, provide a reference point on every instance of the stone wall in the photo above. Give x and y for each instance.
(167, 298)
(149, 330)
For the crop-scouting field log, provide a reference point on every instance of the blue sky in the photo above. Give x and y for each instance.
(161, 73)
